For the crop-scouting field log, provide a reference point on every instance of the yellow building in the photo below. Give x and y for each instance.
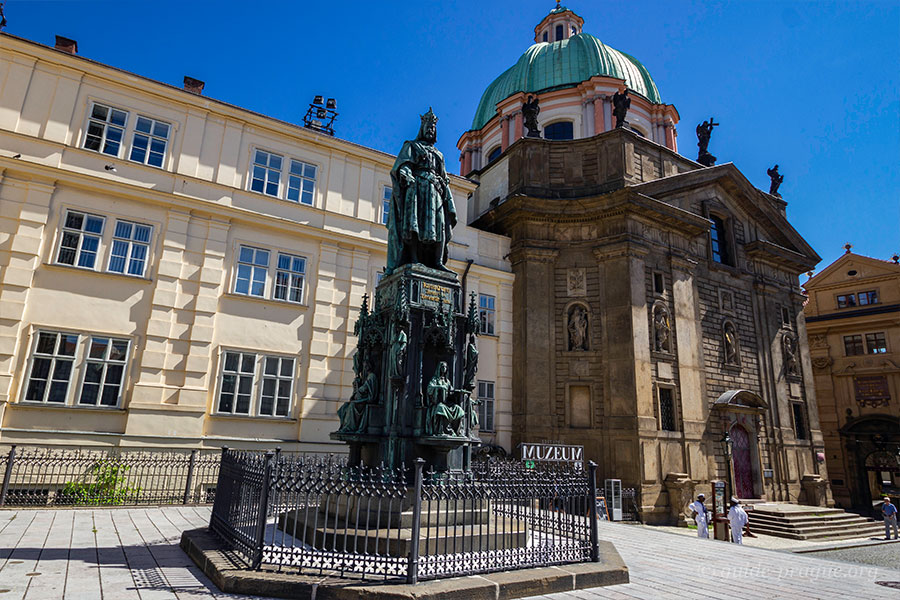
(175, 270)
(853, 322)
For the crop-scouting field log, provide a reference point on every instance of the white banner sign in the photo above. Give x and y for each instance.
(552, 453)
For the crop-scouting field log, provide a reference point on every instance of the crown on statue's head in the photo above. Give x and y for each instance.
(429, 118)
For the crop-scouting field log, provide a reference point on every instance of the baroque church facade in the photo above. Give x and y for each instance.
(657, 313)
(177, 271)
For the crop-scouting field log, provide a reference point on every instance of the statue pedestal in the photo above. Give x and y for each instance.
(418, 322)
(706, 159)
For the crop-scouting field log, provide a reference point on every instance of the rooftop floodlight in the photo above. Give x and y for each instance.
(321, 113)
(332, 104)
(318, 100)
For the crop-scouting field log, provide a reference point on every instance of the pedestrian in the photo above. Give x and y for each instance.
(701, 516)
(890, 518)
(738, 518)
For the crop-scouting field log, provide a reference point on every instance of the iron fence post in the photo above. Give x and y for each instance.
(263, 511)
(7, 475)
(592, 486)
(190, 477)
(217, 503)
(412, 574)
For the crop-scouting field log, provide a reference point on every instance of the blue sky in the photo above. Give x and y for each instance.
(811, 85)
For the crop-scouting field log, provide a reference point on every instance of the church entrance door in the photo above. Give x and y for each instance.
(742, 458)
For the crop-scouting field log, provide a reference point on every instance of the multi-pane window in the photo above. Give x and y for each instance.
(486, 405)
(718, 242)
(236, 383)
(289, 278)
(277, 384)
(853, 345)
(486, 313)
(80, 239)
(51, 367)
(253, 264)
(148, 145)
(870, 297)
(800, 429)
(386, 192)
(846, 300)
(301, 182)
(666, 409)
(239, 384)
(876, 343)
(104, 371)
(106, 129)
(130, 245)
(266, 172)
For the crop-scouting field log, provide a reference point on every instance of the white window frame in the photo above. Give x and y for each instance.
(131, 245)
(297, 182)
(278, 378)
(106, 124)
(82, 233)
(486, 401)
(105, 361)
(487, 315)
(270, 174)
(257, 383)
(53, 357)
(292, 276)
(255, 267)
(151, 136)
(386, 193)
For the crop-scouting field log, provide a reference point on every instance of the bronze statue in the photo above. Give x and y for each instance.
(398, 352)
(443, 418)
(471, 363)
(530, 110)
(354, 413)
(776, 180)
(422, 215)
(704, 132)
(621, 104)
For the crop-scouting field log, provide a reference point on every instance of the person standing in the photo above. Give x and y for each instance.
(890, 518)
(701, 516)
(738, 518)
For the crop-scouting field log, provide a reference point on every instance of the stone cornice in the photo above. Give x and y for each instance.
(532, 254)
(629, 248)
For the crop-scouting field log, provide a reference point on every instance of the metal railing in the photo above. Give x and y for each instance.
(63, 476)
(322, 517)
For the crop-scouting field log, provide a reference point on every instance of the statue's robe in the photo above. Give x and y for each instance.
(422, 213)
(439, 407)
(353, 414)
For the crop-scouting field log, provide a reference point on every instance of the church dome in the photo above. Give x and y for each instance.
(548, 66)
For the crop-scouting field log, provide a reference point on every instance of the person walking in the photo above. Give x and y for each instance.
(738, 518)
(701, 516)
(890, 518)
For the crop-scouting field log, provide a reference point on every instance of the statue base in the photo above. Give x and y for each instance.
(418, 322)
(706, 159)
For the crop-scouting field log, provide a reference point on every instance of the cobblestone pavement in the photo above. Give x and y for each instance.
(885, 555)
(133, 554)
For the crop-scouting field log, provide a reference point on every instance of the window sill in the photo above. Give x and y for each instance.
(227, 417)
(269, 301)
(45, 405)
(665, 356)
(669, 435)
(122, 276)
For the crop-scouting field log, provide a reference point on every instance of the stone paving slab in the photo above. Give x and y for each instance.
(128, 553)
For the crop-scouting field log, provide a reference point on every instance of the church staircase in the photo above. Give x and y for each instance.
(798, 522)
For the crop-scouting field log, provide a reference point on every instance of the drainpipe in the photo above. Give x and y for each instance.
(465, 301)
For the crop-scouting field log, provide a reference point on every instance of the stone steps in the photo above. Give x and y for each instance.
(810, 522)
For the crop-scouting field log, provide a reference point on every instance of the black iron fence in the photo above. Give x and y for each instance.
(321, 517)
(37, 476)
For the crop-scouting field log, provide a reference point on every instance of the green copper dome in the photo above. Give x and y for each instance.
(558, 65)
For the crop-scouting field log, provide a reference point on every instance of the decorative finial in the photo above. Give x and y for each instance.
(896, 258)
(557, 4)
(847, 247)
(809, 274)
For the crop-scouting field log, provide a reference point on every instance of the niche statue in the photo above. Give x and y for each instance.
(422, 215)
(444, 418)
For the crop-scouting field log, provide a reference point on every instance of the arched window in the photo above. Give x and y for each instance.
(638, 131)
(561, 130)
(493, 154)
(559, 32)
(718, 239)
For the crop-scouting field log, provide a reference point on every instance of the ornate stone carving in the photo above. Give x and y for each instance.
(822, 362)
(576, 282)
(578, 328)
(818, 342)
(726, 301)
(731, 343)
(789, 352)
(662, 329)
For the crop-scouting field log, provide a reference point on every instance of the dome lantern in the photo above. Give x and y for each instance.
(559, 25)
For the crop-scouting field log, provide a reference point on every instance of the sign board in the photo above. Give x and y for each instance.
(871, 390)
(602, 512)
(613, 489)
(552, 453)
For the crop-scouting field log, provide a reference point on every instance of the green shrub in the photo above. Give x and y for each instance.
(105, 483)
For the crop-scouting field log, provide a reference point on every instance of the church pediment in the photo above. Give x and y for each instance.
(781, 244)
(862, 268)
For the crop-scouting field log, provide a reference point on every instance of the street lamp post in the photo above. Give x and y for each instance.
(727, 442)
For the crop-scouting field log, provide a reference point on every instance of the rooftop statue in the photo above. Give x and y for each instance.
(530, 111)
(621, 104)
(422, 215)
(776, 180)
(704, 132)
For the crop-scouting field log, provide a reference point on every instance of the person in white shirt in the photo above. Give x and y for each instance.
(701, 516)
(738, 518)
